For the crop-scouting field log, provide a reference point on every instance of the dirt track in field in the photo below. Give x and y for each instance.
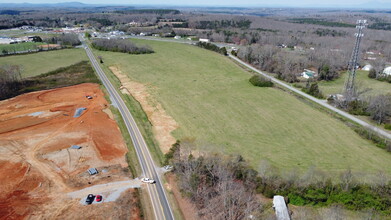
(38, 168)
(162, 123)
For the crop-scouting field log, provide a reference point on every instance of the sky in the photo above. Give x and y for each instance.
(213, 2)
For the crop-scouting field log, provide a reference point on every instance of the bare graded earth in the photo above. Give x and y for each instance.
(38, 168)
(163, 124)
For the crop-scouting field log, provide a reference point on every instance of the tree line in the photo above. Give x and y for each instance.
(288, 65)
(121, 45)
(10, 80)
(226, 186)
(64, 40)
(218, 188)
(213, 47)
(12, 83)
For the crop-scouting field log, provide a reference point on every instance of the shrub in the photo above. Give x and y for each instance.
(213, 47)
(260, 81)
(372, 74)
(327, 73)
(387, 126)
(358, 107)
(313, 90)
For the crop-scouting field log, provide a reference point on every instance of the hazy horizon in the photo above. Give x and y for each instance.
(219, 3)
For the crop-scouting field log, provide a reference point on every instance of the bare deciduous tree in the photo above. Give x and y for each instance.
(380, 108)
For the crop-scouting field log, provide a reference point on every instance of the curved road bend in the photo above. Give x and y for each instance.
(160, 205)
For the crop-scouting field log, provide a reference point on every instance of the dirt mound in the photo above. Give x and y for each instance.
(37, 165)
(163, 124)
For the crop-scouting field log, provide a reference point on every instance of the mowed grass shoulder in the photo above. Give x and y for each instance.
(37, 63)
(363, 82)
(213, 102)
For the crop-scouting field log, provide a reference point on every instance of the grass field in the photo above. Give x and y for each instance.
(213, 102)
(11, 33)
(42, 62)
(11, 48)
(363, 82)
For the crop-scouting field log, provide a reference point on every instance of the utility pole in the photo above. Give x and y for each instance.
(350, 88)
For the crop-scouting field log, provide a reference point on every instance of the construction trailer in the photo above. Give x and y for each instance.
(92, 171)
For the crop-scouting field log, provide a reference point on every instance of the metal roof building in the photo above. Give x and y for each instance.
(280, 208)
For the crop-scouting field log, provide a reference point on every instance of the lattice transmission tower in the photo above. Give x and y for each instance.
(350, 88)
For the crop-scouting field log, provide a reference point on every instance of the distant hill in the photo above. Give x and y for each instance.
(54, 5)
(369, 5)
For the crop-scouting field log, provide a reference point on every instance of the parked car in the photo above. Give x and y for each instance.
(147, 180)
(168, 167)
(90, 198)
(98, 198)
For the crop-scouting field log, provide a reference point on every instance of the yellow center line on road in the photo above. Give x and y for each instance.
(143, 153)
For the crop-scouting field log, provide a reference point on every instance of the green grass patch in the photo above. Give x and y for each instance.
(11, 48)
(43, 62)
(362, 81)
(215, 105)
(81, 72)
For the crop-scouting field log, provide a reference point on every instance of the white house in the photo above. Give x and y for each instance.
(204, 40)
(367, 67)
(307, 74)
(387, 71)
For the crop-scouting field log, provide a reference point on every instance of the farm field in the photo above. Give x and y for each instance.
(37, 63)
(362, 80)
(10, 48)
(218, 109)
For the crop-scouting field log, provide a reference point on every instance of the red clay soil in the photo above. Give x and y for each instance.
(15, 201)
(36, 164)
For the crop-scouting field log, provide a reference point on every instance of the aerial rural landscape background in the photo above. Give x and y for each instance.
(195, 110)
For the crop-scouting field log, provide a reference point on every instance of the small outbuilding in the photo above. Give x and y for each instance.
(92, 171)
(308, 74)
(204, 40)
(387, 71)
(280, 208)
(367, 67)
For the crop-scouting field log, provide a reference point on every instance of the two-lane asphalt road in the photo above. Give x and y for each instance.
(160, 204)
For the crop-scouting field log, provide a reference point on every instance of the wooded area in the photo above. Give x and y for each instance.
(120, 45)
(226, 186)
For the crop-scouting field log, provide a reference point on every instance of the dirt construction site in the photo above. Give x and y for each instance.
(48, 141)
